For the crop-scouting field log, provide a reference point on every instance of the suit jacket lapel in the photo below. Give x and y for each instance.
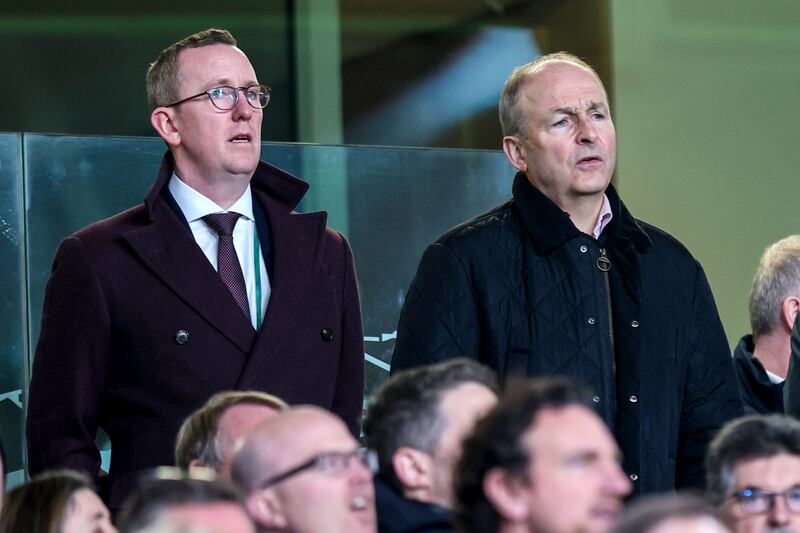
(295, 240)
(169, 250)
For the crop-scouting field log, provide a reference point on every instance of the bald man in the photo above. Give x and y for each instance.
(303, 471)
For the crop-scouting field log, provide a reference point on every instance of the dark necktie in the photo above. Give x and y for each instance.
(228, 265)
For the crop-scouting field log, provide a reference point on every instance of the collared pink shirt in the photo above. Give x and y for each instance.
(603, 219)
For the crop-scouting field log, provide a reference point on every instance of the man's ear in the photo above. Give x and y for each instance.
(515, 152)
(265, 510)
(789, 309)
(507, 494)
(163, 121)
(413, 468)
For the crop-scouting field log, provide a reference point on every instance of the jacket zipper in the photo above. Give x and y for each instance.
(604, 265)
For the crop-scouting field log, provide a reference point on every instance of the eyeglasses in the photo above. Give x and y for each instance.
(757, 501)
(226, 97)
(329, 463)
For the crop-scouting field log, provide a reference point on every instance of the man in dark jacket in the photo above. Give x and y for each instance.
(151, 312)
(416, 424)
(762, 359)
(563, 280)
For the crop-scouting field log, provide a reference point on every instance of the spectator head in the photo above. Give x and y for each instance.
(208, 436)
(775, 295)
(59, 501)
(674, 513)
(303, 471)
(173, 502)
(541, 460)
(417, 423)
(753, 471)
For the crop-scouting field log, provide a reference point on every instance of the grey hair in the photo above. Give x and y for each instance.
(777, 278)
(511, 120)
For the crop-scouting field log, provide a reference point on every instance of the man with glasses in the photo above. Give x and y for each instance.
(303, 471)
(753, 471)
(214, 283)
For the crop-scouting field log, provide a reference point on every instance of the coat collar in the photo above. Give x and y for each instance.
(549, 226)
(286, 189)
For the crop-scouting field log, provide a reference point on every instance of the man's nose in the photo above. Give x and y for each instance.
(242, 109)
(587, 132)
(617, 482)
(779, 515)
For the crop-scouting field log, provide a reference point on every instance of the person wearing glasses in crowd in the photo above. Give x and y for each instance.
(303, 471)
(213, 283)
(753, 471)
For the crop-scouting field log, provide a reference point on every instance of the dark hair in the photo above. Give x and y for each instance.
(163, 76)
(749, 437)
(41, 504)
(652, 511)
(496, 442)
(406, 410)
(198, 437)
(153, 497)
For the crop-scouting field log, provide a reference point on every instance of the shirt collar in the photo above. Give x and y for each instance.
(603, 219)
(195, 206)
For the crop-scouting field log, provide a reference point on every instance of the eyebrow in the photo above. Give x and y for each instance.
(594, 106)
(227, 82)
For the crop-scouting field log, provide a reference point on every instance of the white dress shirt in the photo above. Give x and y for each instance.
(195, 206)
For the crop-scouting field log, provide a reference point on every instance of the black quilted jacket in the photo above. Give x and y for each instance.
(520, 288)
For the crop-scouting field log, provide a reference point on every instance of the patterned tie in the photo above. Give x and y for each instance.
(227, 261)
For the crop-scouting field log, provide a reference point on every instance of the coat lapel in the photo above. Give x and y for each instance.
(296, 239)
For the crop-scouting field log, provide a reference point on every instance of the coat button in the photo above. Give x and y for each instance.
(633, 399)
(634, 324)
(584, 249)
(182, 336)
(326, 334)
(633, 477)
(591, 321)
(596, 399)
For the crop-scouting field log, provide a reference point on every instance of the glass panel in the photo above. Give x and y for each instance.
(390, 203)
(12, 327)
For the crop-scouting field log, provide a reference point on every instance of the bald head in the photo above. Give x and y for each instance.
(286, 439)
(511, 118)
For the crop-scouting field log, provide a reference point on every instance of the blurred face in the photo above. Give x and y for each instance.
(778, 473)
(333, 501)
(221, 517)
(461, 407)
(567, 147)
(692, 524)
(214, 144)
(87, 514)
(576, 484)
(234, 423)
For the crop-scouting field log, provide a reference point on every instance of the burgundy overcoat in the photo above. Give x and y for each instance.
(138, 330)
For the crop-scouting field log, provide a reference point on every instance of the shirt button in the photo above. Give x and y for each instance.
(634, 324)
(596, 399)
(182, 336)
(591, 321)
(326, 334)
(584, 249)
(633, 399)
(633, 477)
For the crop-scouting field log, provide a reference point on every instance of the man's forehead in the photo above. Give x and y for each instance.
(215, 62)
(775, 472)
(559, 83)
(566, 429)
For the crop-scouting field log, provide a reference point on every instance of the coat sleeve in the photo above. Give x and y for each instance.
(348, 397)
(69, 367)
(711, 394)
(440, 318)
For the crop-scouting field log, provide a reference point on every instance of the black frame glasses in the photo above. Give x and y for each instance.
(753, 501)
(226, 97)
(330, 462)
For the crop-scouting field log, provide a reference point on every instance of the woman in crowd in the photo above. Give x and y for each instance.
(60, 501)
